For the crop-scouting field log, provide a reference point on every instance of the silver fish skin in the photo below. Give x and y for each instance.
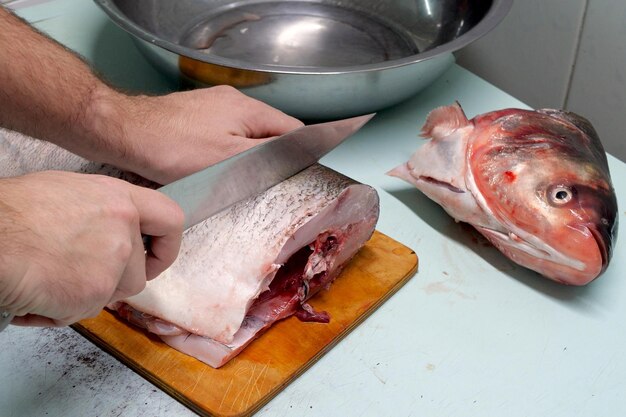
(246, 267)
(20, 155)
(536, 184)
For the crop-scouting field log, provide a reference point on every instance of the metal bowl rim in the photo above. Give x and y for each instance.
(494, 16)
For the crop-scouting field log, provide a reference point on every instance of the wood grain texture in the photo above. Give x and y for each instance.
(282, 353)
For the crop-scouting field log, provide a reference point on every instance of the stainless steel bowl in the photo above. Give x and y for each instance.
(314, 59)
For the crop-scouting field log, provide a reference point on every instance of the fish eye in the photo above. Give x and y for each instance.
(560, 195)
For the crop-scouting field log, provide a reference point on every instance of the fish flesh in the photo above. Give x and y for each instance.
(536, 184)
(242, 269)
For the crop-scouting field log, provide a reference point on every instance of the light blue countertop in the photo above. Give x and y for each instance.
(471, 334)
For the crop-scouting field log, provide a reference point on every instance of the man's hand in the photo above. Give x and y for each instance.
(49, 93)
(71, 243)
(165, 138)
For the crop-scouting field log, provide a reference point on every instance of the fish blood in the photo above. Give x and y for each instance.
(510, 176)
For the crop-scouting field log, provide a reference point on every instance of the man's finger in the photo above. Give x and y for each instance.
(133, 279)
(162, 219)
(265, 121)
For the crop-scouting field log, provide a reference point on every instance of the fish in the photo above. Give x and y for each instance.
(535, 183)
(21, 155)
(243, 269)
(255, 263)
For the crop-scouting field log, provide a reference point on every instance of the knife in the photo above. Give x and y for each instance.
(251, 172)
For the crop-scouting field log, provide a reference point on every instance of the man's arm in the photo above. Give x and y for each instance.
(48, 92)
(45, 91)
(71, 243)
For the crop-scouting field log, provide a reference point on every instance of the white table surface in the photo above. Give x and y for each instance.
(471, 334)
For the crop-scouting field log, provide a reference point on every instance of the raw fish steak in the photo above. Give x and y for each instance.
(536, 184)
(246, 267)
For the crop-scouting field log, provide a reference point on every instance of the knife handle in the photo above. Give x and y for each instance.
(6, 317)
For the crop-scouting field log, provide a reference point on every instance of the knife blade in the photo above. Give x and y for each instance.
(251, 172)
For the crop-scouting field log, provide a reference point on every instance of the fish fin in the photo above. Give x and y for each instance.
(444, 120)
(403, 172)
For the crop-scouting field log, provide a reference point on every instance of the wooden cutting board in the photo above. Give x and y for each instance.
(282, 353)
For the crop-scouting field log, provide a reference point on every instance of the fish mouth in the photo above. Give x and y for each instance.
(510, 243)
(602, 236)
(439, 183)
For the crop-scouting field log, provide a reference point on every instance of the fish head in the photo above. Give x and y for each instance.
(544, 176)
(438, 167)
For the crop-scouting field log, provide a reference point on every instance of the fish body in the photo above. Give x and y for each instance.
(242, 269)
(536, 184)
(257, 262)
